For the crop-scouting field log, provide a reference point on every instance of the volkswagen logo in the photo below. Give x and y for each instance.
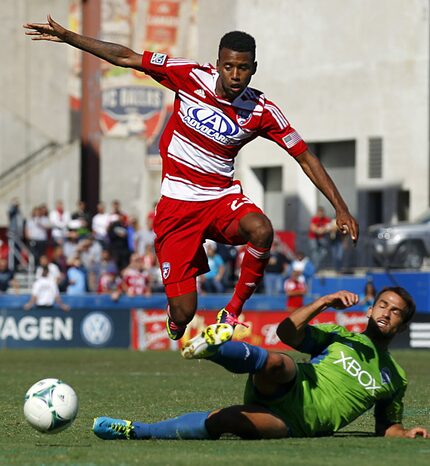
(96, 328)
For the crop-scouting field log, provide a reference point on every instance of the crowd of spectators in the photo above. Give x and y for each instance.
(107, 253)
(111, 253)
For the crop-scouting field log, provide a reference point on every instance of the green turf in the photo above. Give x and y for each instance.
(155, 385)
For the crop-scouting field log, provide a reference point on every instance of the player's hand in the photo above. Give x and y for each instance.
(347, 224)
(51, 30)
(417, 432)
(341, 299)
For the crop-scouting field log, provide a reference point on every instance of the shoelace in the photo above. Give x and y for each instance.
(122, 429)
(233, 320)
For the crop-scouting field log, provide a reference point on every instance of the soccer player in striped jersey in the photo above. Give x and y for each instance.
(215, 114)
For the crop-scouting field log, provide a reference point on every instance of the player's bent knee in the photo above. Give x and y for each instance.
(280, 367)
(258, 229)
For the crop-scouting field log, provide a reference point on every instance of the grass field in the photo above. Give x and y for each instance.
(155, 385)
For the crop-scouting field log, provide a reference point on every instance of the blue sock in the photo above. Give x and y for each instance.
(240, 357)
(188, 426)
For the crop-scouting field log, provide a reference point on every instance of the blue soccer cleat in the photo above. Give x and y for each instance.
(109, 428)
(207, 343)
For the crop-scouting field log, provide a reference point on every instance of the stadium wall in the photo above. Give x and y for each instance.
(339, 73)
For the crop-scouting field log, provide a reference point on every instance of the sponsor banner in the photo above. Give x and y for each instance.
(46, 328)
(149, 328)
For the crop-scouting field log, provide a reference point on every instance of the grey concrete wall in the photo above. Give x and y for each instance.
(34, 109)
(339, 70)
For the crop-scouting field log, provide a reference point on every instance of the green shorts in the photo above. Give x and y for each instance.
(295, 404)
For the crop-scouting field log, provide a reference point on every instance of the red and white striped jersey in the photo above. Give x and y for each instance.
(206, 132)
(136, 282)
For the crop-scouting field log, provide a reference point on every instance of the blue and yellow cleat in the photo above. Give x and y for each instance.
(207, 343)
(109, 428)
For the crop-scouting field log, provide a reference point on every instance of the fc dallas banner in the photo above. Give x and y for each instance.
(132, 103)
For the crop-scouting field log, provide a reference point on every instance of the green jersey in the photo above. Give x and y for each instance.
(345, 377)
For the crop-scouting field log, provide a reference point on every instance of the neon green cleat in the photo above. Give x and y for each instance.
(174, 332)
(208, 342)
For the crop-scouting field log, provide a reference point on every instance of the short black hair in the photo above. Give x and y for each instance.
(407, 298)
(238, 41)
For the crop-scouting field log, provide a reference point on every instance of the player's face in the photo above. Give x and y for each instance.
(235, 72)
(387, 314)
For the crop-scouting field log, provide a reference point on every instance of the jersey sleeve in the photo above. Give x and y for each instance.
(318, 337)
(277, 128)
(170, 72)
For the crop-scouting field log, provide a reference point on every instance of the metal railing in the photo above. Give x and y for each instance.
(19, 253)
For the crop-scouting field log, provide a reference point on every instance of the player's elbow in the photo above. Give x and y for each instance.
(288, 333)
(130, 59)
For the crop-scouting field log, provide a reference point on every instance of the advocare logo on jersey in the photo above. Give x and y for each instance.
(212, 124)
(96, 328)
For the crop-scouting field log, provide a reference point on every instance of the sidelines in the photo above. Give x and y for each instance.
(138, 323)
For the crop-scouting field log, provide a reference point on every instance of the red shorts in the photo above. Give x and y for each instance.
(181, 228)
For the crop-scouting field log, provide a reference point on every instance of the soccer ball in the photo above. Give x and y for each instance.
(50, 405)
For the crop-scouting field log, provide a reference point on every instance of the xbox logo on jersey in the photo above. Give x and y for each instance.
(96, 328)
(211, 123)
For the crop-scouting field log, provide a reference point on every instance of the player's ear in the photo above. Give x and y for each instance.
(254, 68)
(369, 312)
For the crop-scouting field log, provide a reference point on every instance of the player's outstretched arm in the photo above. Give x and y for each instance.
(113, 53)
(316, 172)
(292, 330)
(397, 430)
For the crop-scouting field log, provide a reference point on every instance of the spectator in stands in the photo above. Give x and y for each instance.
(276, 268)
(304, 264)
(36, 232)
(107, 264)
(81, 219)
(109, 283)
(7, 279)
(77, 278)
(45, 293)
(90, 252)
(60, 260)
(16, 232)
(295, 289)
(337, 246)
(53, 269)
(100, 224)
(145, 236)
(368, 297)
(149, 258)
(116, 212)
(319, 229)
(228, 254)
(132, 229)
(70, 247)
(118, 242)
(212, 281)
(135, 279)
(59, 220)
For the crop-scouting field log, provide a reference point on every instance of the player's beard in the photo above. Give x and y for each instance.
(374, 332)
